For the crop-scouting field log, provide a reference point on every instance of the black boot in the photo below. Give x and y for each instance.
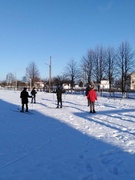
(61, 105)
(26, 107)
(22, 108)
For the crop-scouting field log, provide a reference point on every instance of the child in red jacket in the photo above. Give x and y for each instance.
(92, 96)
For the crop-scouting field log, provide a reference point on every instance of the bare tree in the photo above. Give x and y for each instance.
(87, 65)
(72, 72)
(33, 73)
(60, 80)
(99, 64)
(10, 79)
(110, 65)
(125, 63)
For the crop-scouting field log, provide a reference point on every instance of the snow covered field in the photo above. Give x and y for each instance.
(68, 143)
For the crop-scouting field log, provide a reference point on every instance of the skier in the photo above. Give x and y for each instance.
(33, 93)
(92, 96)
(86, 93)
(59, 96)
(24, 95)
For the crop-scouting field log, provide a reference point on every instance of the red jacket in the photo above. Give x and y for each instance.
(92, 96)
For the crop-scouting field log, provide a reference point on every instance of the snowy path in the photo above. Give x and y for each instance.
(68, 143)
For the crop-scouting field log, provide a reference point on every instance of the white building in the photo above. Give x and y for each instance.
(132, 81)
(104, 84)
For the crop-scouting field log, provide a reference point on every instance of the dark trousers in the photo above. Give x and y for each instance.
(59, 101)
(92, 106)
(26, 107)
(33, 99)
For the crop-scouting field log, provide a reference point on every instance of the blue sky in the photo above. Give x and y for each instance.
(34, 30)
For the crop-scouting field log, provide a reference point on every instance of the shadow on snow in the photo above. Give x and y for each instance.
(41, 147)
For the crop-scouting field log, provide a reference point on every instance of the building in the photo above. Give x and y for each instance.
(39, 85)
(132, 81)
(104, 84)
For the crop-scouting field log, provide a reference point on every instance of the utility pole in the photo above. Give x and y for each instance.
(50, 73)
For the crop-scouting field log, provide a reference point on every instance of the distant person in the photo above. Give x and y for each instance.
(24, 95)
(92, 96)
(59, 96)
(33, 93)
(86, 93)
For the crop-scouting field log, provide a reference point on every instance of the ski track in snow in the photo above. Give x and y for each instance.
(113, 124)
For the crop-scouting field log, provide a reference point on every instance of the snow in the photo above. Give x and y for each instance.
(68, 143)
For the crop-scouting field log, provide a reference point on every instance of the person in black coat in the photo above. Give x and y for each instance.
(59, 96)
(86, 93)
(24, 95)
(33, 93)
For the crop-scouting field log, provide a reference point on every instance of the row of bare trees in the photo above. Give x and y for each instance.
(32, 74)
(112, 64)
(99, 63)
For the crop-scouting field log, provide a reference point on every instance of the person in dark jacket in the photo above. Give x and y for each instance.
(33, 93)
(24, 95)
(92, 96)
(86, 93)
(59, 96)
